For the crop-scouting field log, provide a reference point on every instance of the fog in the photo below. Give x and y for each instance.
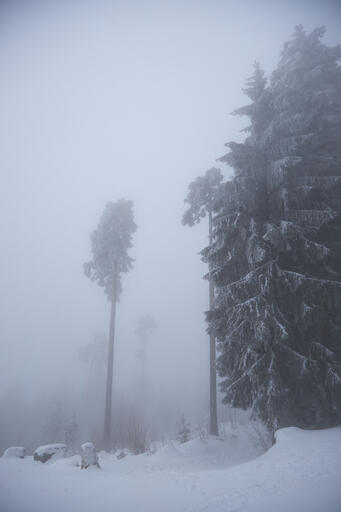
(99, 101)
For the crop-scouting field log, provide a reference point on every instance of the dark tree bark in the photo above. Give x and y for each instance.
(213, 372)
(110, 367)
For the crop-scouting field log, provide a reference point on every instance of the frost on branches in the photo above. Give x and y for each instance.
(110, 243)
(276, 252)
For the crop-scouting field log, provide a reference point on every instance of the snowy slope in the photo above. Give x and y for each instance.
(301, 473)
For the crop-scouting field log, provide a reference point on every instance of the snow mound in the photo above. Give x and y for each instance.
(198, 454)
(300, 473)
(68, 462)
(89, 456)
(16, 452)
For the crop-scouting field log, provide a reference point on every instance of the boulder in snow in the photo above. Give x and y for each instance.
(14, 452)
(46, 452)
(89, 456)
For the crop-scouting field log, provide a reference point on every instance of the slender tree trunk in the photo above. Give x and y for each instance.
(108, 395)
(213, 374)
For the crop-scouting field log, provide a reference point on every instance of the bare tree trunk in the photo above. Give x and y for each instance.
(108, 395)
(213, 374)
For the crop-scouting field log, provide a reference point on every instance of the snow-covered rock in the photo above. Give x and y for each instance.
(14, 452)
(89, 456)
(46, 452)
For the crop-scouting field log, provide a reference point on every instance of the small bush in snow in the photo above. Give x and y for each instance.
(183, 432)
(137, 435)
(260, 435)
(121, 454)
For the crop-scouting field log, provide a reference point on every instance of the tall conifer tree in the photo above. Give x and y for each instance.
(202, 199)
(275, 258)
(110, 243)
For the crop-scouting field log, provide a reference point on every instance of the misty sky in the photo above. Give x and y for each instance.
(103, 100)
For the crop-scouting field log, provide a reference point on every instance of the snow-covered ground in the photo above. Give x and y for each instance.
(300, 473)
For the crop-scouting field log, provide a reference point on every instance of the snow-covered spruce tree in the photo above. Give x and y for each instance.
(94, 353)
(276, 251)
(145, 328)
(202, 198)
(110, 243)
(184, 431)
